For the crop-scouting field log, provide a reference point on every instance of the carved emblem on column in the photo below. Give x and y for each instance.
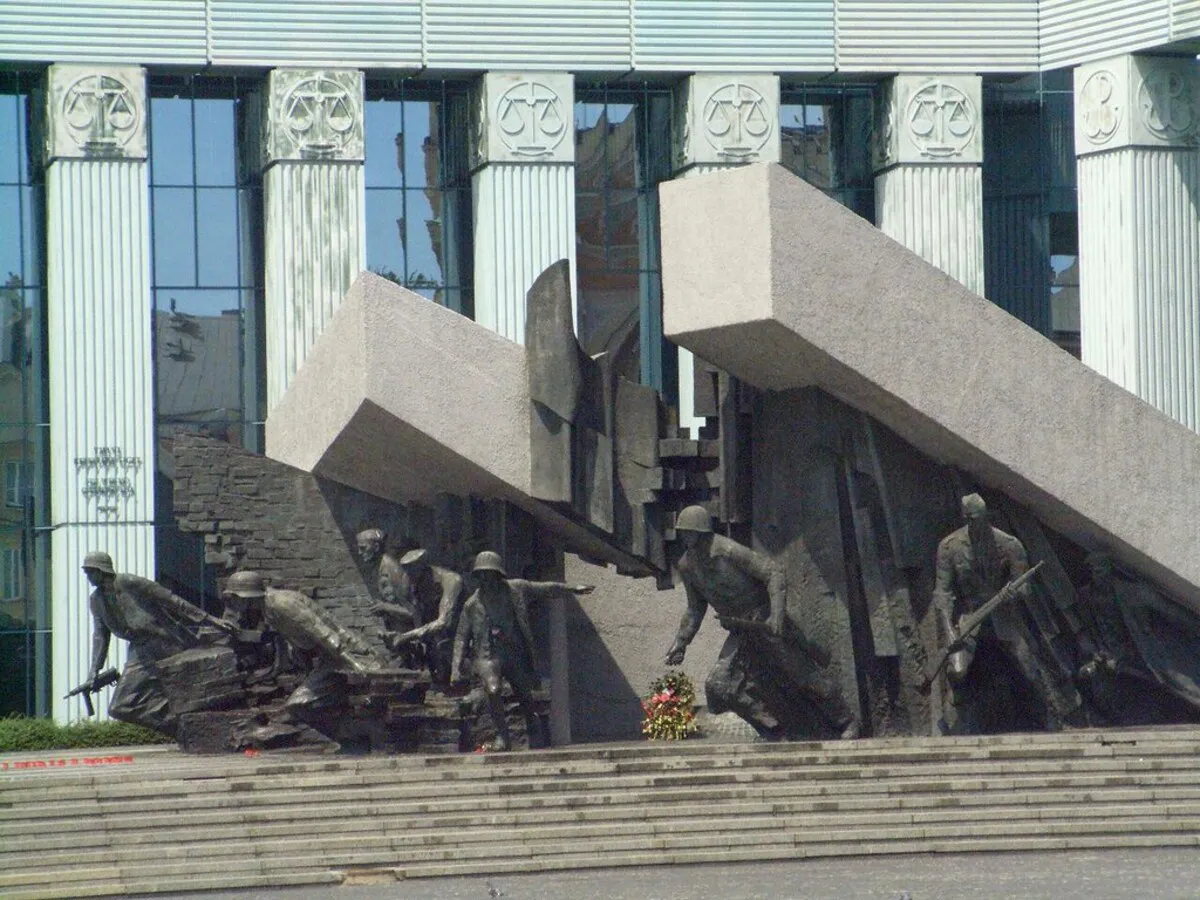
(96, 113)
(524, 118)
(738, 121)
(726, 120)
(1100, 107)
(928, 119)
(1167, 103)
(315, 115)
(530, 119)
(941, 120)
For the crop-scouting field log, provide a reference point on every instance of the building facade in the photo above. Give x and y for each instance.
(188, 187)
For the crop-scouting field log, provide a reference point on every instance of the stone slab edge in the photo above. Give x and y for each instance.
(769, 279)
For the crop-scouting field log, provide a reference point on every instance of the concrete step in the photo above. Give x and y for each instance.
(17, 800)
(167, 823)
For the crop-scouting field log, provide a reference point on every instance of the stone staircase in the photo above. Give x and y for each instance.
(157, 821)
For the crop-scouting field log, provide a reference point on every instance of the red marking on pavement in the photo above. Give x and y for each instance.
(63, 762)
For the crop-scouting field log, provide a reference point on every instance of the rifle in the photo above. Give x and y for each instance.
(94, 686)
(972, 620)
(734, 623)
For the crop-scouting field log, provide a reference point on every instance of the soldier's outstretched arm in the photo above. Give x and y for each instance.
(177, 606)
(550, 590)
(697, 606)
(447, 607)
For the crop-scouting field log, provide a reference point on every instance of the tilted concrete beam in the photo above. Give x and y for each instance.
(771, 280)
(404, 399)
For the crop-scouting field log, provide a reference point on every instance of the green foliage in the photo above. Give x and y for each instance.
(669, 713)
(20, 733)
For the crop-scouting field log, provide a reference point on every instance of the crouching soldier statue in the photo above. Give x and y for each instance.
(156, 623)
(765, 665)
(306, 636)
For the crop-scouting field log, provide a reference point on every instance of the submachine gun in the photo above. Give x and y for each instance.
(969, 623)
(94, 686)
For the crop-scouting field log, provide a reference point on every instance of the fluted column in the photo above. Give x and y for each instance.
(313, 197)
(523, 189)
(1137, 131)
(927, 154)
(99, 348)
(721, 121)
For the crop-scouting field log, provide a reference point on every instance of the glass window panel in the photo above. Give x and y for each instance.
(425, 250)
(174, 237)
(384, 138)
(10, 232)
(590, 231)
(215, 144)
(171, 144)
(198, 348)
(420, 143)
(623, 223)
(31, 205)
(217, 236)
(11, 123)
(385, 229)
(587, 115)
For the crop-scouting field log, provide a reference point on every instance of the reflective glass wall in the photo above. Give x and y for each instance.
(622, 152)
(205, 208)
(24, 420)
(1030, 223)
(825, 138)
(418, 186)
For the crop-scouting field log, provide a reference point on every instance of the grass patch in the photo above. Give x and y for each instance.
(21, 733)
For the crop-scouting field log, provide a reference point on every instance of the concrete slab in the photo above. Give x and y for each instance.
(771, 280)
(404, 399)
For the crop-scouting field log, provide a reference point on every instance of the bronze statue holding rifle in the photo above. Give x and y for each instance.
(156, 623)
(980, 592)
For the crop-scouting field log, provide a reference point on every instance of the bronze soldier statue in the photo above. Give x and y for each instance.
(156, 623)
(764, 664)
(392, 605)
(974, 564)
(436, 594)
(319, 645)
(495, 627)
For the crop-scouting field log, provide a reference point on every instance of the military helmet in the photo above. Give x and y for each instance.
(973, 505)
(371, 534)
(694, 518)
(100, 561)
(488, 561)
(414, 558)
(246, 584)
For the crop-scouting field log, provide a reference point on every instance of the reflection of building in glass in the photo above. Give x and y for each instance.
(607, 241)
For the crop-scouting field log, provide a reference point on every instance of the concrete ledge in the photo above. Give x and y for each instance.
(402, 398)
(771, 280)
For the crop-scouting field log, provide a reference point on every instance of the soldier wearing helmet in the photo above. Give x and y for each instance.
(436, 594)
(321, 646)
(764, 663)
(495, 627)
(155, 622)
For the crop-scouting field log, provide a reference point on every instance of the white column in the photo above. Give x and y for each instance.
(99, 353)
(721, 121)
(928, 155)
(523, 190)
(313, 197)
(1137, 138)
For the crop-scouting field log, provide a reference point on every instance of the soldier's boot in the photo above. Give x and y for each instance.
(503, 740)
